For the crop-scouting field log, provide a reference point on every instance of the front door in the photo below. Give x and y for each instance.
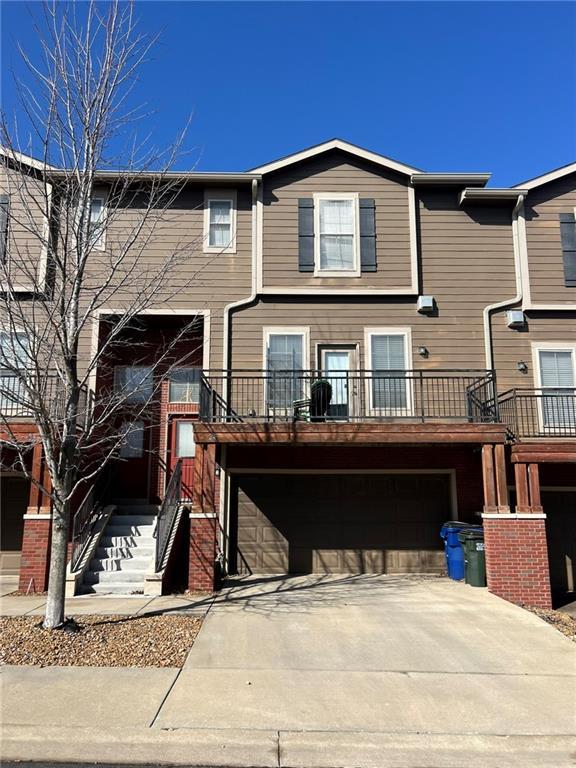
(132, 470)
(182, 446)
(338, 365)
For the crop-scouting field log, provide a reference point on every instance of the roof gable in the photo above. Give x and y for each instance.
(538, 181)
(344, 146)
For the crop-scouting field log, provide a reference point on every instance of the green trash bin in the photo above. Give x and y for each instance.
(472, 540)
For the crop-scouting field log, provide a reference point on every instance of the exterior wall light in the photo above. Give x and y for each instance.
(522, 366)
(423, 351)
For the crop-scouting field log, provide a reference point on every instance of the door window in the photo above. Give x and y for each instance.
(132, 445)
(185, 445)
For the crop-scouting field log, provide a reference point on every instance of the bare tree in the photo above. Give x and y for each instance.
(69, 259)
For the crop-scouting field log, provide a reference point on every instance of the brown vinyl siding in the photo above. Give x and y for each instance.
(545, 262)
(203, 281)
(26, 226)
(467, 263)
(512, 346)
(335, 172)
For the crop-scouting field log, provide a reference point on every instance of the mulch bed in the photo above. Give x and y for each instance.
(560, 621)
(102, 641)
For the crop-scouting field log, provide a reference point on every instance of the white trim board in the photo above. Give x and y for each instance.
(344, 146)
(554, 175)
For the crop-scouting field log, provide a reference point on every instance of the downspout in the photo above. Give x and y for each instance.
(488, 346)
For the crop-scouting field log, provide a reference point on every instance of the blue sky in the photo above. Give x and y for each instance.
(442, 86)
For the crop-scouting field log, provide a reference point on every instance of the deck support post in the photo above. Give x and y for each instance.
(203, 521)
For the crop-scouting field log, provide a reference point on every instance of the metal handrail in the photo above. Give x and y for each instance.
(539, 412)
(167, 514)
(21, 396)
(87, 516)
(357, 395)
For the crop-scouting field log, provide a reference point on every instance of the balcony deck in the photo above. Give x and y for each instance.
(539, 414)
(352, 407)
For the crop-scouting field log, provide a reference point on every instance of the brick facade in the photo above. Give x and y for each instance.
(201, 574)
(517, 559)
(35, 555)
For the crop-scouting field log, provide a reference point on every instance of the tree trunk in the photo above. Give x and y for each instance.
(54, 615)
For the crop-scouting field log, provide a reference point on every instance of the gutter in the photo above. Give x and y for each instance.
(488, 347)
(450, 179)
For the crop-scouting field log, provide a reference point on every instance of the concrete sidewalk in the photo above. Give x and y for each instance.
(365, 671)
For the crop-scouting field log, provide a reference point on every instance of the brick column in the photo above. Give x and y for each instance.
(516, 549)
(517, 558)
(203, 521)
(37, 529)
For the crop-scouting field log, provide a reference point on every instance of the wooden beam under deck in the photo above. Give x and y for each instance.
(544, 452)
(334, 433)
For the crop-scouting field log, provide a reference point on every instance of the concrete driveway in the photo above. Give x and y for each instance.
(372, 654)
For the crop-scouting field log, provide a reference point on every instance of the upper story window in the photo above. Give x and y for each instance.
(97, 223)
(336, 235)
(4, 212)
(185, 385)
(14, 351)
(220, 222)
(568, 236)
(337, 243)
(134, 382)
(557, 379)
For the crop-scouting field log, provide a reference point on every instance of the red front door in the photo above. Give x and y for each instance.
(182, 446)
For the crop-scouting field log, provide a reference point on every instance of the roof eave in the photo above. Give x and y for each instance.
(450, 179)
(494, 194)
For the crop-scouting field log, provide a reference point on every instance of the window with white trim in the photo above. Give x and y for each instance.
(97, 225)
(388, 358)
(220, 223)
(284, 363)
(337, 248)
(134, 382)
(557, 372)
(14, 358)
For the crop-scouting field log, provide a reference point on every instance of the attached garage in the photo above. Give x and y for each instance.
(341, 523)
(560, 508)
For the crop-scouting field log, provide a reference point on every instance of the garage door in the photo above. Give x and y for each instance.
(342, 523)
(560, 508)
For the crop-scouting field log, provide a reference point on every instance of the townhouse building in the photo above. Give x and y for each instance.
(375, 350)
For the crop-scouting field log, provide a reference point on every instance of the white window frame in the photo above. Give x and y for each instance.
(355, 199)
(549, 346)
(228, 196)
(285, 330)
(100, 243)
(408, 365)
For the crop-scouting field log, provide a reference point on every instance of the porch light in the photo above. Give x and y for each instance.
(522, 366)
(423, 351)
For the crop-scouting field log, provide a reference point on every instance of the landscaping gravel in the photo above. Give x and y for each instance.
(101, 641)
(560, 621)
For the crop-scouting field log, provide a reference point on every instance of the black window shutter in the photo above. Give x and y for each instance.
(306, 234)
(367, 235)
(3, 226)
(568, 236)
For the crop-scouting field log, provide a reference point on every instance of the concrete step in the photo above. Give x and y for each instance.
(145, 531)
(117, 564)
(140, 550)
(139, 520)
(110, 589)
(115, 577)
(127, 541)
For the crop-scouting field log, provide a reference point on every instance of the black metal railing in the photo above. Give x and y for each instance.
(25, 396)
(424, 395)
(87, 515)
(539, 412)
(167, 514)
